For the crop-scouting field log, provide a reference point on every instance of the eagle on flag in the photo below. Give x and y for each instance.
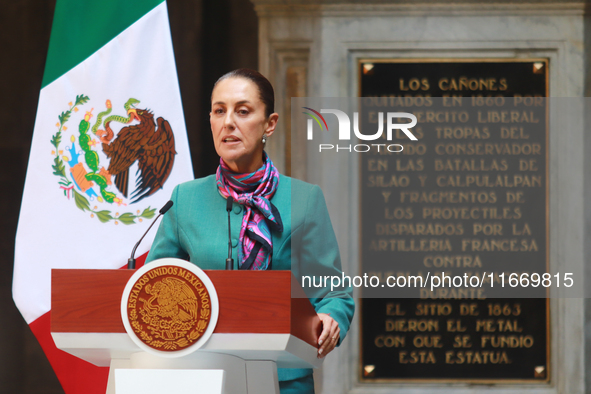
(151, 147)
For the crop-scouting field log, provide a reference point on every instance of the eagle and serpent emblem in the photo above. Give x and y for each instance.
(169, 315)
(96, 167)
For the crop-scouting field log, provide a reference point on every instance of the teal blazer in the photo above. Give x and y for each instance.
(196, 229)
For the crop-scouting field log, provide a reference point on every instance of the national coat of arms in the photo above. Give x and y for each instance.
(112, 160)
(169, 308)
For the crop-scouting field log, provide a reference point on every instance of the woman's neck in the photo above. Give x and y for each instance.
(245, 168)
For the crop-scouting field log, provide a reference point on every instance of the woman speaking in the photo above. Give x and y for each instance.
(272, 212)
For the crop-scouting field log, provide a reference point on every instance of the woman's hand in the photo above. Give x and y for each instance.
(330, 335)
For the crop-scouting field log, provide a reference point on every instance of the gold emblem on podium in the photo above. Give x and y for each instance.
(169, 308)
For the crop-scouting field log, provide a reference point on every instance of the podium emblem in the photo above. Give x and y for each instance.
(168, 306)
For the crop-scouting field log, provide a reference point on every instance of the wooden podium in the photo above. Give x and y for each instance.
(261, 326)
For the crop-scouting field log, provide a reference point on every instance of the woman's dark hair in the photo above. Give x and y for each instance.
(266, 93)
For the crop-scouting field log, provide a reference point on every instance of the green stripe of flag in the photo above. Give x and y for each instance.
(81, 27)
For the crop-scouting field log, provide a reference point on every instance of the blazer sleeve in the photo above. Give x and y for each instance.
(319, 257)
(167, 242)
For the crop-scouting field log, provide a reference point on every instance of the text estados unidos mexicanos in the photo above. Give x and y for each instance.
(442, 280)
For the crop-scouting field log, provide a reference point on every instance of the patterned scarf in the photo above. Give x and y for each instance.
(254, 190)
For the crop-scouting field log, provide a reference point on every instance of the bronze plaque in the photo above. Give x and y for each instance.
(169, 308)
(470, 196)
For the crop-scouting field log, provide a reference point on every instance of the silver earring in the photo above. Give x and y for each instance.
(264, 139)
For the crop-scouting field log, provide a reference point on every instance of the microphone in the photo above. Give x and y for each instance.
(163, 210)
(229, 260)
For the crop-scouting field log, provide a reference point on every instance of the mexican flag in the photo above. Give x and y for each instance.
(109, 145)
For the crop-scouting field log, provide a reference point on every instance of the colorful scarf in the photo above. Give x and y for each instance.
(254, 190)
